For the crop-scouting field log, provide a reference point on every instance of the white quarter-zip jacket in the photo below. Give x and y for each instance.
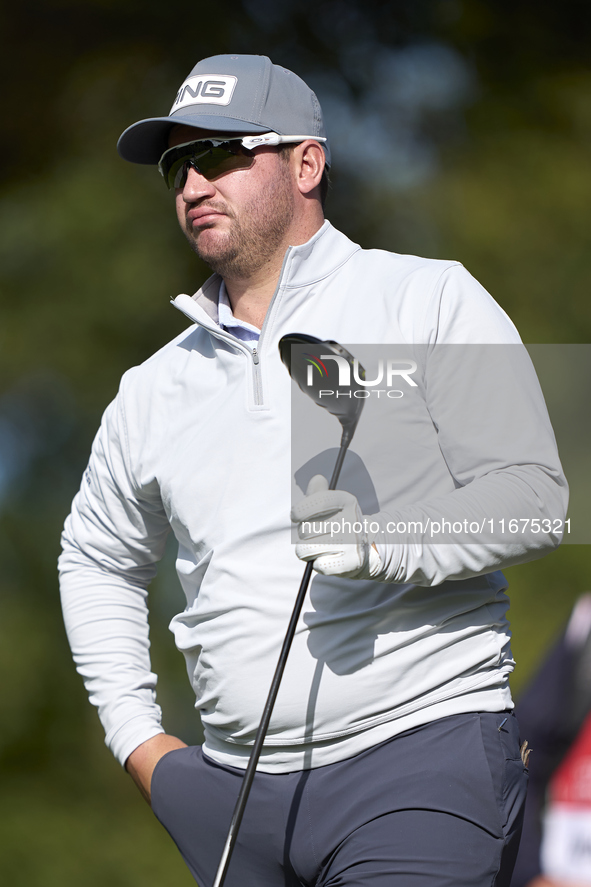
(198, 442)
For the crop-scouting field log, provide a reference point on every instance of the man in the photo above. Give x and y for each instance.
(555, 709)
(392, 757)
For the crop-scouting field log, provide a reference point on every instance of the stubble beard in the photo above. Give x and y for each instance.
(252, 239)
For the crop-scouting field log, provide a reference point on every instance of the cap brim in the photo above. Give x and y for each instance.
(147, 140)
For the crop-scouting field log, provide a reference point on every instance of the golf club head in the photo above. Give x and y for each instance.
(327, 373)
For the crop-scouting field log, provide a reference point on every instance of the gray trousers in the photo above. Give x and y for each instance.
(437, 806)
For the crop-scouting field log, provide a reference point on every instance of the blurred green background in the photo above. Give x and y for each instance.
(459, 129)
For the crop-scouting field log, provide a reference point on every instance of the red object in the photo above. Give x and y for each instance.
(571, 783)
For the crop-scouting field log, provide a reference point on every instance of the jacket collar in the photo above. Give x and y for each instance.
(303, 265)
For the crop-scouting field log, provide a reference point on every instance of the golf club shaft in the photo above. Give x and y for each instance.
(338, 465)
(270, 703)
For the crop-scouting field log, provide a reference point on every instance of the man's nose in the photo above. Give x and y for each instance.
(196, 186)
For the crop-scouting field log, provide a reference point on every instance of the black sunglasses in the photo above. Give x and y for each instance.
(210, 157)
(214, 156)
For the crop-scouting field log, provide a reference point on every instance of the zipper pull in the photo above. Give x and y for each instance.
(255, 356)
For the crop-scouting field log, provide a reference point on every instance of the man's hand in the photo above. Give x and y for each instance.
(334, 533)
(141, 762)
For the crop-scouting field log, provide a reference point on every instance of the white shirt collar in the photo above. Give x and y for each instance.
(239, 328)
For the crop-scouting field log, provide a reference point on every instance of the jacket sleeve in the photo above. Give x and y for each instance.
(493, 431)
(112, 541)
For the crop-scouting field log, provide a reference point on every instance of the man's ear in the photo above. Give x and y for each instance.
(310, 161)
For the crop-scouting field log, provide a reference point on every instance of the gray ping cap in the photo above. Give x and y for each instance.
(233, 94)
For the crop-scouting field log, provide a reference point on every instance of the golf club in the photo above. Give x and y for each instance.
(306, 358)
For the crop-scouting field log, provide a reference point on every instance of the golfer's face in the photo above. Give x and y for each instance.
(237, 214)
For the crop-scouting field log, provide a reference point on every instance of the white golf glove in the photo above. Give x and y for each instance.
(328, 521)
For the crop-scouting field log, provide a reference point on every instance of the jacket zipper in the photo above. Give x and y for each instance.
(257, 380)
(254, 352)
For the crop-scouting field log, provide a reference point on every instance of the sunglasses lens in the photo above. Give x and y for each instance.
(175, 174)
(209, 159)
